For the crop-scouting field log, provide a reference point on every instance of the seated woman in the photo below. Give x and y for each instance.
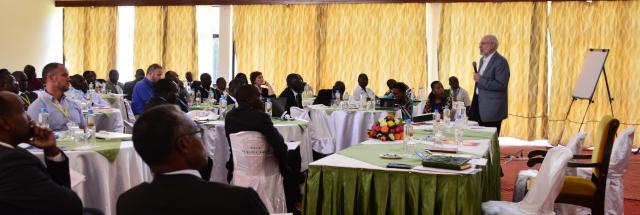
(438, 98)
(250, 116)
(339, 88)
(405, 103)
(390, 84)
(258, 81)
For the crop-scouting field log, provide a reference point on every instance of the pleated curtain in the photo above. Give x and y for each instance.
(576, 27)
(277, 40)
(327, 43)
(166, 35)
(521, 32)
(90, 39)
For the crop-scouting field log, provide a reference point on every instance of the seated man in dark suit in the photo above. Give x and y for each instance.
(27, 186)
(250, 116)
(293, 92)
(171, 144)
(27, 96)
(165, 91)
(233, 86)
(128, 86)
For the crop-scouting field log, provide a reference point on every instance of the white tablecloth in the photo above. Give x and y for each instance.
(105, 180)
(337, 160)
(109, 120)
(347, 127)
(217, 146)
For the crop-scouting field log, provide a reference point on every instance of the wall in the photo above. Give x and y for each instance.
(31, 34)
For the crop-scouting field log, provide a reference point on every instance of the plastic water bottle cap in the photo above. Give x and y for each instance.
(44, 110)
(268, 100)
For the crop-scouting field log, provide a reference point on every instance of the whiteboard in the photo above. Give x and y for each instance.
(591, 69)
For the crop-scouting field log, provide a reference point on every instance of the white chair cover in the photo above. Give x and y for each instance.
(130, 120)
(543, 193)
(614, 197)
(299, 113)
(574, 145)
(255, 166)
(322, 139)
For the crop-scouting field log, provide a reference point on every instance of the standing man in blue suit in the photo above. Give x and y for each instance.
(490, 99)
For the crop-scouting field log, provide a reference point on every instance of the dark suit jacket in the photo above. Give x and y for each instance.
(247, 119)
(492, 88)
(157, 101)
(128, 88)
(291, 99)
(188, 194)
(28, 187)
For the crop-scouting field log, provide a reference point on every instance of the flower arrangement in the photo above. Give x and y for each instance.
(387, 129)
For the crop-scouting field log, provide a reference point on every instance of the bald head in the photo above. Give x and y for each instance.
(15, 124)
(9, 103)
(488, 44)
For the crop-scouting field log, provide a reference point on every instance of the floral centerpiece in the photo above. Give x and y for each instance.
(387, 129)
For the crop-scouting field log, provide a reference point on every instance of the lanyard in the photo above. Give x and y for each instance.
(25, 99)
(65, 111)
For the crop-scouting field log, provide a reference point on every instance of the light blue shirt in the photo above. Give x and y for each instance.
(142, 92)
(57, 120)
(79, 96)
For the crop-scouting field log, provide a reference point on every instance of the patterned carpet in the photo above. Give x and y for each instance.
(512, 167)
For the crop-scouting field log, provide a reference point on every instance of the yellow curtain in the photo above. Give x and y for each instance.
(575, 27)
(166, 35)
(148, 45)
(90, 39)
(520, 29)
(276, 40)
(381, 40)
(181, 40)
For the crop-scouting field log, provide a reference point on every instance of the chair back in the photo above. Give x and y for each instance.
(255, 166)
(324, 97)
(575, 145)
(614, 199)
(548, 183)
(602, 148)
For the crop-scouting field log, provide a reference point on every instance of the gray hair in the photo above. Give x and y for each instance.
(492, 38)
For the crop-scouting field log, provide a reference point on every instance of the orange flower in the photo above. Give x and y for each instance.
(372, 133)
(384, 129)
(398, 136)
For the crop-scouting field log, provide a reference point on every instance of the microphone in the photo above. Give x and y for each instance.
(475, 67)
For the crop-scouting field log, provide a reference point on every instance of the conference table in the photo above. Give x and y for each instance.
(217, 145)
(356, 181)
(101, 171)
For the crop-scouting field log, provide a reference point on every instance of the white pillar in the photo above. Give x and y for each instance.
(226, 41)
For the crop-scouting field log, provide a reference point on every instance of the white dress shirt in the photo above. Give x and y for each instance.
(57, 158)
(359, 91)
(485, 62)
(184, 172)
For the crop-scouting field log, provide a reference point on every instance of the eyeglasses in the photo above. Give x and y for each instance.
(200, 130)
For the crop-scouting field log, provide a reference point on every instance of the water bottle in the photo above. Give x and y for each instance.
(267, 107)
(446, 116)
(437, 125)
(336, 99)
(90, 130)
(409, 146)
(43, 118)
(459, 128)
(197, 96)
(463, 112)
(223, 106)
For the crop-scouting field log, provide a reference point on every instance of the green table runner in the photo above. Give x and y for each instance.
(369, 153)
(202, 106)
(468, 134)
(107, 148)
(339, 190)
